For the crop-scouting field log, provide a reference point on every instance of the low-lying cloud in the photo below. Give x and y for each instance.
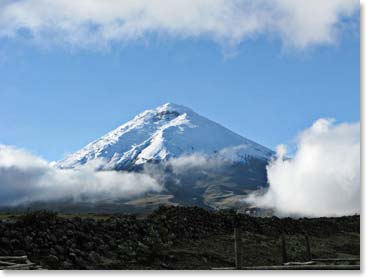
(90, 23)
(26, 178)
(323, 177)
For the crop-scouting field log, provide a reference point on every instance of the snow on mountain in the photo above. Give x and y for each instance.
(160, 134)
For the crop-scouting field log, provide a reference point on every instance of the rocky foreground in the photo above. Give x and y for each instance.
(170, 238)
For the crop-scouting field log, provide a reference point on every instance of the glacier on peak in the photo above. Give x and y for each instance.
(165, 132)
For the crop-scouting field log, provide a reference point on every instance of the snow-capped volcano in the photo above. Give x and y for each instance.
(163, 133)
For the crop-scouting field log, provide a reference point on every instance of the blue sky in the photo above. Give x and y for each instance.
(57, 98)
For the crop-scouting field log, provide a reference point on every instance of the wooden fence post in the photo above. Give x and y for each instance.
(283, 249)
(238, 247)
(308, 248)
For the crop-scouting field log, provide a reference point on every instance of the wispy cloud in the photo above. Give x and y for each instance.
(97, 23)
(322, 179)
(26, 178)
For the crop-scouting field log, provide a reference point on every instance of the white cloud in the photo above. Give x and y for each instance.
(196, 162)
(86, 23)
(25, 178)
(322, 179)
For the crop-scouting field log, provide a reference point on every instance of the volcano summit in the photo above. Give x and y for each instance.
(169, 131)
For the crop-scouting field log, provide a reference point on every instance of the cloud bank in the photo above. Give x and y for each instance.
(323, 177)
(85, 23)
(26, 178)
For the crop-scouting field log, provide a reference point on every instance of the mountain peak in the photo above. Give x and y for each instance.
(163, 111)
(169, 107)
(170, 130)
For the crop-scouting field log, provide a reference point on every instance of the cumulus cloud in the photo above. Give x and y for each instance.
(26, 178)
(323, 177)
(85, 23)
